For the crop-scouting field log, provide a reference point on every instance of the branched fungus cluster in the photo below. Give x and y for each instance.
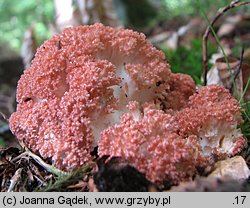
(99, 86)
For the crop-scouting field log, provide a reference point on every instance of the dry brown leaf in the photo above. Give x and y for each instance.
(226, 76)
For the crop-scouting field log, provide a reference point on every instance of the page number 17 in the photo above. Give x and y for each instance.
(239, 199)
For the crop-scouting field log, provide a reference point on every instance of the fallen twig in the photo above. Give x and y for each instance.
(46, 166)
(237, 71)
(220, 12)
(14, 180)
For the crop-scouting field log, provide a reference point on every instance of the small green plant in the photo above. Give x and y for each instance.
(245, 129)
(245, 126)
(223, 52)
(62, 182)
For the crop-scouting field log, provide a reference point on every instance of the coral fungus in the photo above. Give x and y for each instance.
(181, 87)
(96, 85)
(171, 147)
(72, 92)
(213, 115)
(151, 144)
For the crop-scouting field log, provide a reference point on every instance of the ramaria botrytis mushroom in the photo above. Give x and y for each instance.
(96, 85)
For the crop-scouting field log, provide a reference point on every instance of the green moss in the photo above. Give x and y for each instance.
(188, 60)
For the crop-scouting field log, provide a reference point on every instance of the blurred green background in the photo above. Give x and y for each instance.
(17, 16)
